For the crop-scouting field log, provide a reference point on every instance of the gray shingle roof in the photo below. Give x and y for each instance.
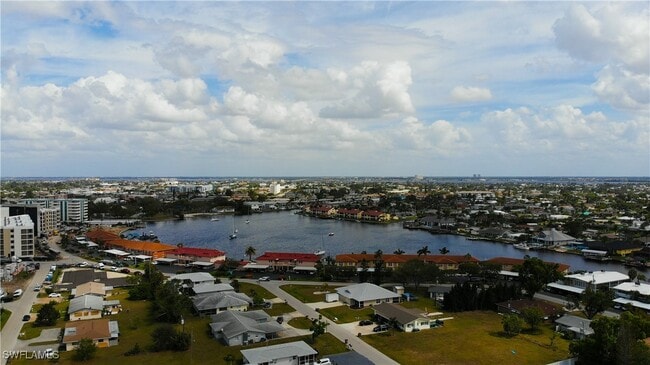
(220, 300)
(401, 314)
(366, 291)
(267, 354)
(233, 323)
(92, 302)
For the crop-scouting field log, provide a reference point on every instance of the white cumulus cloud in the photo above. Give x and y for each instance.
(468, 94)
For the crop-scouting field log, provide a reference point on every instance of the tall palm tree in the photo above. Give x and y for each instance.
(424, 251)
(444, 250)
(399, 251)
(250, 251)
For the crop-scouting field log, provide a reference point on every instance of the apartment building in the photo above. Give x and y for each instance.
(70, 210)
(16, 235)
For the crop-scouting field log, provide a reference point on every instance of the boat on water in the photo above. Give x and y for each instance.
(215, 219)
(234, 230)
(331, 234)
(247, 221)
(521, 246)
(233, 236)
(319, 252)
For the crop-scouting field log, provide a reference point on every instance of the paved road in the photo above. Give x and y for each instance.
(335, 329)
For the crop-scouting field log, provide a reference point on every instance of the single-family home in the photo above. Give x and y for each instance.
(86, 307)
(191, 279)
(214, 303)
(577, 283)
(91, 288)
(208, 288)
(408, 320)
(102, 332)
(366, 294)
(577, 327)
(242, 328)
(292, 353)
(553, 237)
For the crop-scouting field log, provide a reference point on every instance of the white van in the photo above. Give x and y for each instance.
(100, 266)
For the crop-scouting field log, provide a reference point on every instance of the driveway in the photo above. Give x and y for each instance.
(47, 335)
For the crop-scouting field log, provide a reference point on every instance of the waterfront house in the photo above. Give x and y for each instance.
(214, 303)
(288, 261)
(512, 264)
(432, 222)
(292, 353)
(345, 213)
(636, 294)
(619, 248)
(407, 320)
(102, 332)
(366, 294)
(375, 216)
(553, 237)
(576, 327)
(243, 328)
(190, 255)
(324, 211)
(393, 261)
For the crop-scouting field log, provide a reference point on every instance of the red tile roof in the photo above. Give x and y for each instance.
(198, 252)
(288, 256)
(510, 261)
(392, 258)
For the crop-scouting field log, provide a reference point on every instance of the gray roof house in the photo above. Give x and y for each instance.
(241, 328)
(579, 327)
(208, 288)
(407, 319)
(366, 294)
(213, 303)
(553, 237)
(193, 278)
(292, 353)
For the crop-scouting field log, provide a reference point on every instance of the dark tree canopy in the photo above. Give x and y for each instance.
(596, 301)
(85, 351)
(47, 315)
(535, 274)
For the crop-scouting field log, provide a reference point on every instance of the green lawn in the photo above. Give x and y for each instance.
(4, 317)
(279, 309)
(30, 330)
(305, 293)
(300, 322)
(345, 314)
(248, 289)
(136, 328)
(470, 338)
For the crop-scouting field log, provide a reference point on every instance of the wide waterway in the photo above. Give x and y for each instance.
(284, 231)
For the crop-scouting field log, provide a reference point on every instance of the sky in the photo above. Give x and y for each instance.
(325, 88)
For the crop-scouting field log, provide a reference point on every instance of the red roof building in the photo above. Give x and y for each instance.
(186, 255)
(393, 261)
(510, 264)
(284, 261)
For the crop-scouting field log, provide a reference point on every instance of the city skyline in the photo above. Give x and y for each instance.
(325, 89)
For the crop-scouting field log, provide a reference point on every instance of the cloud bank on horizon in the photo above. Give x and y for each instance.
(325, 89)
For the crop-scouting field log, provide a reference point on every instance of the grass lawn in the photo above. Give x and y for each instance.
(305, 293)
(300, 322)
(470, 338)
(345, 314)
(4, 317)
(279, 309)
(248, 288)
(136, 328)
(31, 331)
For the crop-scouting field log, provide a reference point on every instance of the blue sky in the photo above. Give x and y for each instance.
(325, 88)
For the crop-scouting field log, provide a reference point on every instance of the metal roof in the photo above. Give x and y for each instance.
(268, 354)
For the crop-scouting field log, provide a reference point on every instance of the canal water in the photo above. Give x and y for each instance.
(285, 231)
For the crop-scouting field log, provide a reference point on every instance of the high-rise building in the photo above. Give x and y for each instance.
(70, 210)
(16, 234)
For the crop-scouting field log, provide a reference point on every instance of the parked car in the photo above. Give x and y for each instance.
(125, 271)
(37, 288)
(380, 328)
(323, 361)
(18, 293)
(54, 295)
(366, 322)
(26, 317)
(83, 264)
(265, 278)
(280, 320)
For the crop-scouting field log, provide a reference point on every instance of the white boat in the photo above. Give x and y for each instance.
(331, 234)
(232, 236)
(247, 221)
(319, 253)
(215, 219)
(521, 246)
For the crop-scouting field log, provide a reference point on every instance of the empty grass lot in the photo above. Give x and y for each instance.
(470, 338)
(305, 293)
(279, 309)
(248, 289)
(300, 322)
(345, 314)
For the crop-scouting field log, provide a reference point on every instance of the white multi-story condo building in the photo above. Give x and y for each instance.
(16, 234)
(70, 210)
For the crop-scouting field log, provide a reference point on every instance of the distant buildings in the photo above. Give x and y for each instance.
(70, 210)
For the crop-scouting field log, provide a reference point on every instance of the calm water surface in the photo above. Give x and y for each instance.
(285, 231)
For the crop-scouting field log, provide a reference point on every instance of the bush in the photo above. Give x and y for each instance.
(85, 351)
(512, 324)
(166, 338)
(134, 350)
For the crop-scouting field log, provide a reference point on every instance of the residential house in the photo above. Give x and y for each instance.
(618, 248)
(366, 294)
(243, 328)
(92, 288)
(550, 310)
(292, 353)
(102, 332)
(432, 222)
(576, 327)
(375, 216)
(189, 255)
(288, 261)
(407, 320)
(353, 214)
(636, 294)
(192, 279)
(553, 237)
(214, 303)
(208, 288)
(577, 283)
(86, 307)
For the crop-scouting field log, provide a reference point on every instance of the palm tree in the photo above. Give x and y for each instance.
(444, 250)
(399, 251)
(250, 251)
(424, 251)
